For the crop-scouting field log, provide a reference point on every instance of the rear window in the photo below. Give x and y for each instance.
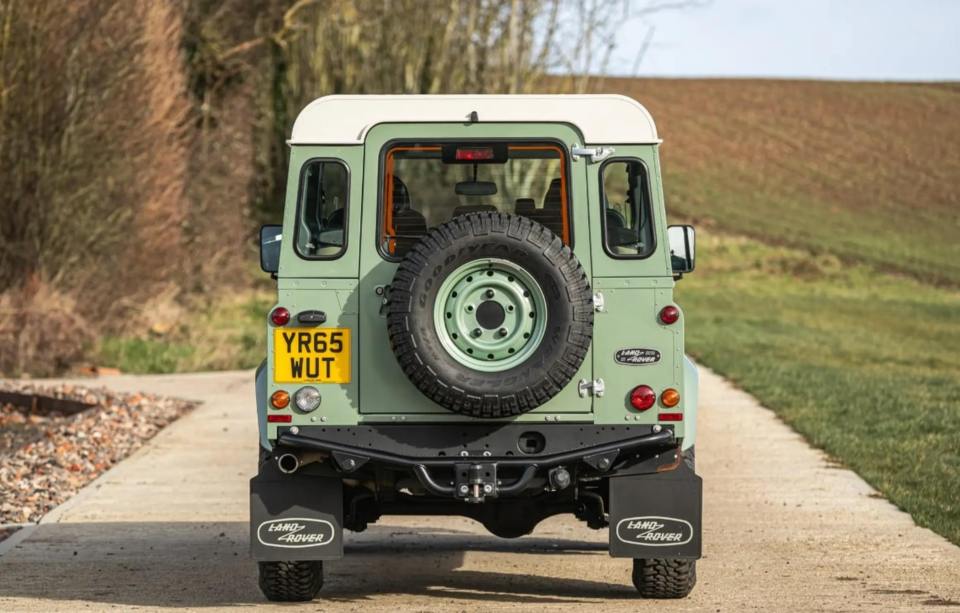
(322, 210)
(625, 197)
(427, 184)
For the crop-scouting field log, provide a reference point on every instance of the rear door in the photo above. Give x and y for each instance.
(631, 270)
(385, 392)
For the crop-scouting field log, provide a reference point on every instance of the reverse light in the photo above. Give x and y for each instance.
(280, 316)
(307, 399)
(642, 397)
(669, 314)
(670, 397)
(280, 399)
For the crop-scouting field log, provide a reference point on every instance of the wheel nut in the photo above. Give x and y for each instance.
(502, 331)
(477, 332)
(489, 293)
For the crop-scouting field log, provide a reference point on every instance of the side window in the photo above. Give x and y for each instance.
(322, 209)
(627, 222)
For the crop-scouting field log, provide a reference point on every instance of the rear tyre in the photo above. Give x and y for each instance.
(291, 581)
(658, 578)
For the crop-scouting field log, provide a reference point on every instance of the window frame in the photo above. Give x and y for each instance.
(603, 209)
(381, 177)
(346, 210)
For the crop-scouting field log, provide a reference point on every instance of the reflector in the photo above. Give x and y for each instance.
(670, 417)
(280, 316)
(669, 314)
(283, 419)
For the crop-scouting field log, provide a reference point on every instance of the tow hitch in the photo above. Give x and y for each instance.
(476, 481)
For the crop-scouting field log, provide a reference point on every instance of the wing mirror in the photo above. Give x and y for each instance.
(682, 241)
(270, 237)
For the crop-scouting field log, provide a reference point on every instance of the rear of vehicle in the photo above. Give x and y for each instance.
(475, 318)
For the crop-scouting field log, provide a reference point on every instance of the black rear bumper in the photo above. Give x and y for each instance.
(477, 462)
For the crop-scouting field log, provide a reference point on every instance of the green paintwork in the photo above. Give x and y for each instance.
(478, 285)
(349, 289)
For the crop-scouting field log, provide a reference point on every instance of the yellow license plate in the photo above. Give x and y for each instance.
(311, 355)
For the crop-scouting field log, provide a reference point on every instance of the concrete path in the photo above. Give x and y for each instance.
(784, 530)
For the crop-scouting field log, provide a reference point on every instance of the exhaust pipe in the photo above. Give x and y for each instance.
(288, 463)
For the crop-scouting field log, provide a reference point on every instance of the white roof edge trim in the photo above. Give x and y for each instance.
(601, 118)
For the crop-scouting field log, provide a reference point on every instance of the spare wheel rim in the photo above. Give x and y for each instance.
(490, 314)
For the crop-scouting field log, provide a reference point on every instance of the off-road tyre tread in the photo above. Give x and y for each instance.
(290, 581)
(489, 402)
(659, 578)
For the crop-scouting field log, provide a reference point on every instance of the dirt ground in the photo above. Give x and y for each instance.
(784, 529)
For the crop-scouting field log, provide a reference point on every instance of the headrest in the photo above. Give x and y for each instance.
(524, 206)
(401, 196)
(615, 219)
(552, 199)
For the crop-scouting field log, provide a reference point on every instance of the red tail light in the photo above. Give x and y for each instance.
(280, 316)
(669, 314)
(642, 397)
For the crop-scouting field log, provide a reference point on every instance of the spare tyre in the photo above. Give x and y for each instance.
(490, 315)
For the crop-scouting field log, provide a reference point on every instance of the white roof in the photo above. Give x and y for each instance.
(601, 118)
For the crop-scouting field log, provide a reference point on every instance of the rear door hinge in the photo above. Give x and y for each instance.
(383, 291)
(595, 154)
(594, 388)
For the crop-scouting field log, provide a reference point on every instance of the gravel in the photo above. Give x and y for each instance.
(46, 457)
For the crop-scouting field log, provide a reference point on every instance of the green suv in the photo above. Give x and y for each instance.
(475, 317)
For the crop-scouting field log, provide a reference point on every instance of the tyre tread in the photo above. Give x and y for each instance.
(290, 581)
(664, 578)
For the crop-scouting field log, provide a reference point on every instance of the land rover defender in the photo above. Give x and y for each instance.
(475, 317)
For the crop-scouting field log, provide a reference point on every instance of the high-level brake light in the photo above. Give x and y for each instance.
(475, 154)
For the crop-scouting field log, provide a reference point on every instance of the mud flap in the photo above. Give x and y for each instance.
(656, 515)
(296, 517)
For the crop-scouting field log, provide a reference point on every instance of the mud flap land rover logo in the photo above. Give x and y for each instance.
(295, 532)
(653, 531)
(637, 356)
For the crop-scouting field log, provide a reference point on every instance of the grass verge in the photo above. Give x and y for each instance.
(225, 334)
(865, 365)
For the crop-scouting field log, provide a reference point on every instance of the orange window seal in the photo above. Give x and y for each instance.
(388, 229)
